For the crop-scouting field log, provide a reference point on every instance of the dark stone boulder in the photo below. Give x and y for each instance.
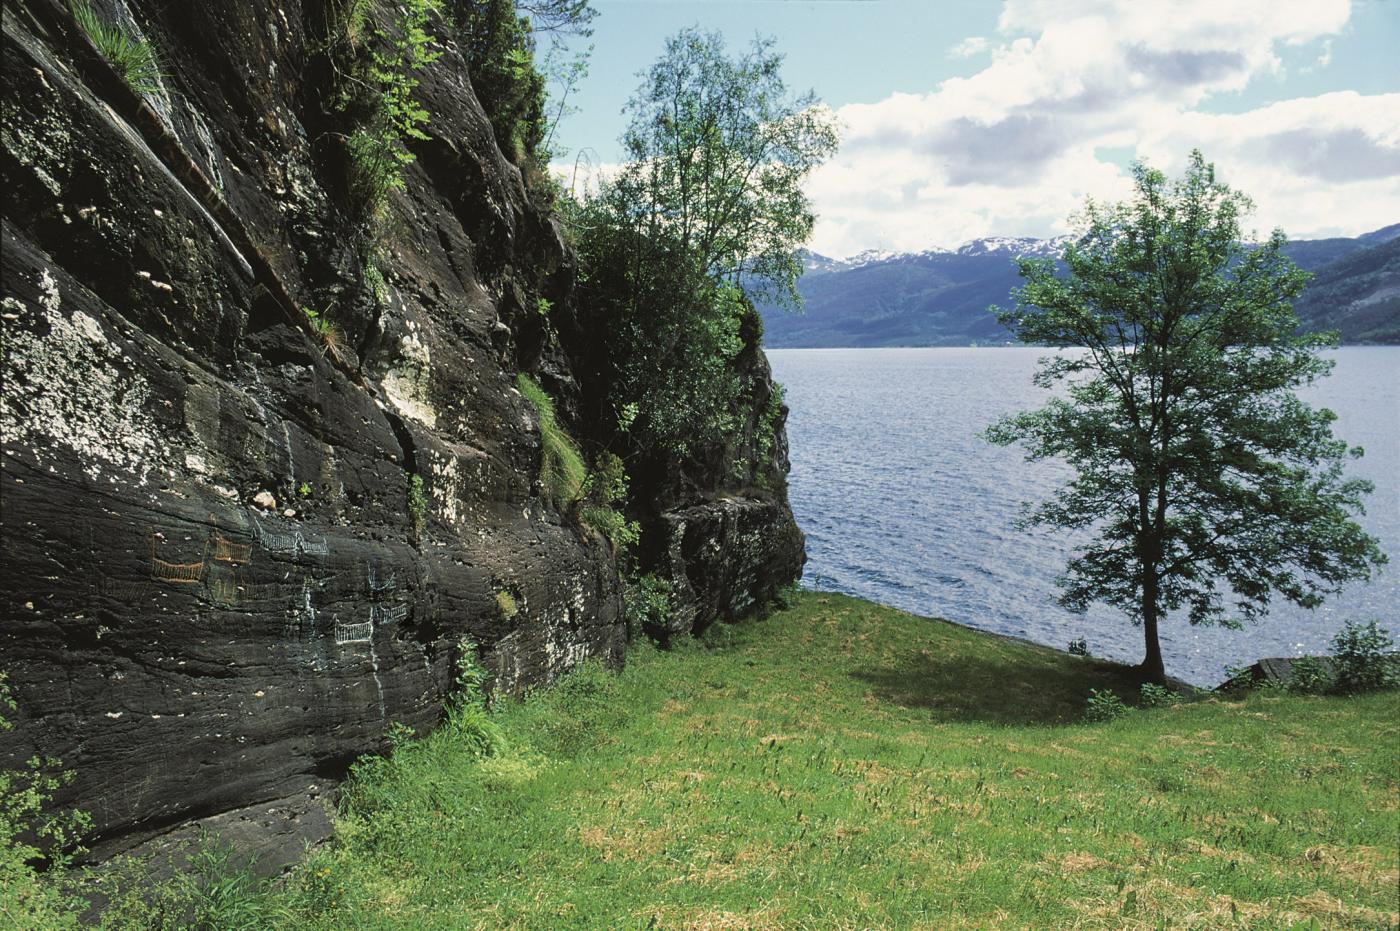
(1279, 670)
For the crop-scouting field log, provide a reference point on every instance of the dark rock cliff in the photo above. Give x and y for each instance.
(215, 590)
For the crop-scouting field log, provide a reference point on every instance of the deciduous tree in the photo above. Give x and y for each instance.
(1205, 484)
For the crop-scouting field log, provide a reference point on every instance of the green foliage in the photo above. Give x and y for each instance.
(1079, 647)
(787, 596)
(499, 48)
(669, 334)
(1104, 705)
(31, 834)
(1155, 696)
(467, 720)
(1364, 658)
(417, 502)
(719, 150)
(768, 425)
(1200, 475)
(379, 95)
(304, 490)
(562, 471)
(647, 604)
(223, 894)
(214, 887)
(331, 336)
(136, 61)
(1309, 676)
(471, 675)
(543, 306)
(604, 494)
(708, 210)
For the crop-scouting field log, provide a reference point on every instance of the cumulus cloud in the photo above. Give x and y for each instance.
(1011, 149)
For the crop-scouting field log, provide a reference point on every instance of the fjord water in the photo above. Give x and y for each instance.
(904, 503)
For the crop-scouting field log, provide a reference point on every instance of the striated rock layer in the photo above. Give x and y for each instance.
(219, 581)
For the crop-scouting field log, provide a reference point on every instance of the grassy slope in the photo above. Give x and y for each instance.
(843, 765)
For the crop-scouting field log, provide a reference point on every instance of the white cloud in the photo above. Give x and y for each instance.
(1010, 150)
(967, 48)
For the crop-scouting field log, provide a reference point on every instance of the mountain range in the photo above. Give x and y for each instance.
(941, 297)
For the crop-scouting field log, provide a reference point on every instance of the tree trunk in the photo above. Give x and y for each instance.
(1152, 667)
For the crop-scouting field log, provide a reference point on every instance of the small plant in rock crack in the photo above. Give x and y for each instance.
(417, 504)
(130, 57)
(330, 335)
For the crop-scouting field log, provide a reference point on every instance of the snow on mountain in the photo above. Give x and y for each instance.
(1010, 246)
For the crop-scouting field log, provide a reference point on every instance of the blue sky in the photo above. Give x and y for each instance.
(968, 119)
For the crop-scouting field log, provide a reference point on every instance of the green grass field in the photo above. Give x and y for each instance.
(844, 765)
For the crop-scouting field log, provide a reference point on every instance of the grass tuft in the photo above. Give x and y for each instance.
(136, 61)
(562, 471)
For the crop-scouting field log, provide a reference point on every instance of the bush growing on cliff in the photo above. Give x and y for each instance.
(499, 47)
(646, 604)
(377, 93)
(604, 494)
(499, 40)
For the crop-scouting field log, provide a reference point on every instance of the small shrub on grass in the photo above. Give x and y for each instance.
(467, 717)
(1309, 677)
(1155, 696)
(133, 59)
(1104, 705)
(785, 597)
(1364, 659)
(562, 472)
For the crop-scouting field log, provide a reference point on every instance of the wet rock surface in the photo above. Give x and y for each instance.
(233, 555)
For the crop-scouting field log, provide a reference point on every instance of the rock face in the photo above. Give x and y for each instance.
(234, 550)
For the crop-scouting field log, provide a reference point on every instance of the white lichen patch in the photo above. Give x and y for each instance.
(447, 482)
(75, 388)
(406, 385)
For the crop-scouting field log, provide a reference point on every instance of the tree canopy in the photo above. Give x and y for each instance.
(708, 211)
(719, 149)
(1207, 486)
